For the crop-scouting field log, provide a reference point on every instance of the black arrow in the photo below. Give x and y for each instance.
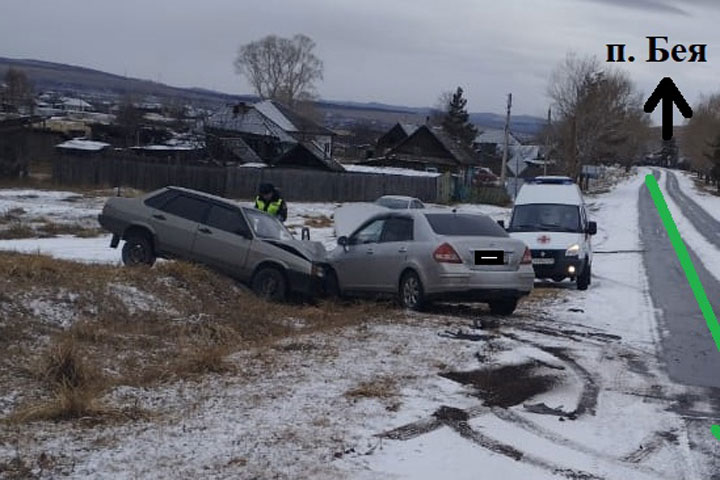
(668, 92)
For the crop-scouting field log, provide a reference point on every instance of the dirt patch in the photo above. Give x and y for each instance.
(381, 388)
(321, 221)
(506, 386)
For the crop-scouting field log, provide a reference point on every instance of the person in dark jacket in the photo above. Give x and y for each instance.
(269, 201)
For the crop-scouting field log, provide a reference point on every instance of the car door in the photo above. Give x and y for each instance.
(176, 223)
(223, 240)
(356, 262)
(391, 253)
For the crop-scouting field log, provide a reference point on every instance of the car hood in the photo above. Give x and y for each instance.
(548, 240)
(310, 251)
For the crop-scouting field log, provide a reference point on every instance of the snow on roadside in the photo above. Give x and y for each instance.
(66, 247)
(709, 202)
(695, 240)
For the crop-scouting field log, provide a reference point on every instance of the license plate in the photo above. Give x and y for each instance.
(543, 261)
(490, 257)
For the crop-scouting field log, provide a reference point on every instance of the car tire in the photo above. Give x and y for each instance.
(503, 307)
(583, 280)
(269, 283)
(411, 295)
(138, 251)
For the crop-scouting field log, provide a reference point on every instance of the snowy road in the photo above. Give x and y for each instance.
(689, 353)
(701, 219)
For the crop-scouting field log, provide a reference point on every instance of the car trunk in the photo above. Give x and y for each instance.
(467, 246)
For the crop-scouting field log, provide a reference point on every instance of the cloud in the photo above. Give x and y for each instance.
(658, 6)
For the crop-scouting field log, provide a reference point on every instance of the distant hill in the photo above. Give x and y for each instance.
(87, 81)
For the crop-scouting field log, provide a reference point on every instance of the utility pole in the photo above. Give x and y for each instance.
(547, 143)
(507, 140)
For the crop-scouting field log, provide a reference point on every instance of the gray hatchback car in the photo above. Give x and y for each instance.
(433, 254)
(242, 242)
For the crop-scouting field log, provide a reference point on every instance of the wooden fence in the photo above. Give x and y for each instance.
(110, 170)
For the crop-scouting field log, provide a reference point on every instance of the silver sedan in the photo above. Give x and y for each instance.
(432, 254)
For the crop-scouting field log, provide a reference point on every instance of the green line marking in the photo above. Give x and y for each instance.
(687, 265)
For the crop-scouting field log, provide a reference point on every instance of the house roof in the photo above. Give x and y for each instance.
(495, 136)
(409, 128)
(265, 118)
(85, 145)
(464, 155)
(459, 154)
(289, 120)
(315, 153)
(247, 119)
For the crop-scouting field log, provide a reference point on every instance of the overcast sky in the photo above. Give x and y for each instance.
(402, 52)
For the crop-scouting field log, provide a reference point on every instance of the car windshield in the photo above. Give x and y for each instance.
(545, 217)
(394, 203)
(464, 225)
(266, 227)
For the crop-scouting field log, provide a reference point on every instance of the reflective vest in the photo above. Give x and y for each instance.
(272, 207)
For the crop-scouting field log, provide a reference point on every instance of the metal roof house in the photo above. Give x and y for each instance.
(271, 133)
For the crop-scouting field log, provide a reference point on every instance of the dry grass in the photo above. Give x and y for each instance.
(75, 386)
(321, 221)
(12, 215)
(382, 388)
(52, 229)
(193, 323)
(17, 231)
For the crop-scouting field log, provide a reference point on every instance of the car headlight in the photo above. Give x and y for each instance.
(573, 250)
(317, 270)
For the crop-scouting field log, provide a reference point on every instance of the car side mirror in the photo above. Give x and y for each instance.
(343, 242)
(502, 224)
(592, 228)
(305, 235)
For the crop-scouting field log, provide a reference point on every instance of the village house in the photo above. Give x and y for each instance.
(431, 149)
(269, 132)
(394, 137)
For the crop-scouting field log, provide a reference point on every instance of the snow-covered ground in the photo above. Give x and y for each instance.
(604, 411)
(690, 235)
(709, 202)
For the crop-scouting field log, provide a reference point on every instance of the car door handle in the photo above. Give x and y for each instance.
(205, 230)
(159, 217)
(402, 250)
(370, 251)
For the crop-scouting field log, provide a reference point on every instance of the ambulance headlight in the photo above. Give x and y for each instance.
(573, 250)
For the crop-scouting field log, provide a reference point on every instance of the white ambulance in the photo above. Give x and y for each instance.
(550, 217)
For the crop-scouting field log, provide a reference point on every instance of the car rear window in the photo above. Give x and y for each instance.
(157, 201)
(190, 208)
(393, 203)
(464, 225)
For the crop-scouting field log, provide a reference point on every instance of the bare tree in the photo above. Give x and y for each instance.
(599, 114)
(129, 118)
(699, 138)
(18, 90)
(284, 69)
(441, 108)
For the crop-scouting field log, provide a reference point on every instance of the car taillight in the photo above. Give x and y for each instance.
(446, 254)
(527, 257)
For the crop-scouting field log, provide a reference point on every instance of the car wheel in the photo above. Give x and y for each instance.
(138, 251)
(583, 280)
(269, 283)
(411, 293)
(503, 307)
